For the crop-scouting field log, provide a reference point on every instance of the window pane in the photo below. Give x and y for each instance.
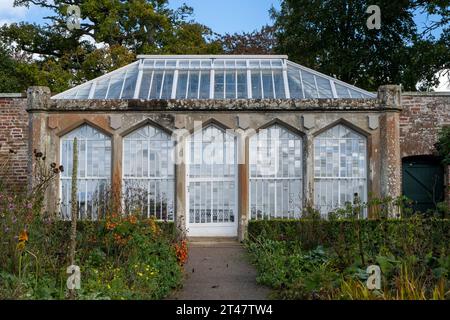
(279, 85)
(205, 84)
(256, 85)
(339, 168)
(309, 85)
(83, 92)
(242, 85)
(295, 86)
(156, 85)
(194, 78)
(94, 172)
(167, 86)
(182, 85)
(324, 87)
(149, 181)
(115, 87)
(219, 85)
(145, 84)
(342, 92)
(267, 85)
(101, 88)
(130, 83)
(230, 84)
(276, 174)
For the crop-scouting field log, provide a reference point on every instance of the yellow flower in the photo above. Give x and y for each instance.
(140, 274)
(21, 246)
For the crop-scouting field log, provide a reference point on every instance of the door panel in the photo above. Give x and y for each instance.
(423, 182)
(211, 183)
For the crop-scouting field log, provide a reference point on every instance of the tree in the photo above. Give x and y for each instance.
(332, 37)
(443, 145)
(256, 42)
(112, 33)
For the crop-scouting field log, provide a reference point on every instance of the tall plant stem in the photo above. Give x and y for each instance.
(74, 211)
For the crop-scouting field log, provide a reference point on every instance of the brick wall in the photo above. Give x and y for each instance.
(422, 117)
(13, 136)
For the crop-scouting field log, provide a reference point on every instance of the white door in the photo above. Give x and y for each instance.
(211, 183)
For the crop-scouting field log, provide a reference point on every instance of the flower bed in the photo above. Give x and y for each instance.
(327, 259)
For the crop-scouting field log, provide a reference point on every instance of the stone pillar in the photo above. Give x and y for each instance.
(180, 178)
(38, 100)
(116, 181)
(308, 170)
(243, 187)
(391, 180)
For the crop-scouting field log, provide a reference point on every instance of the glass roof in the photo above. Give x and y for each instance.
(214, 77)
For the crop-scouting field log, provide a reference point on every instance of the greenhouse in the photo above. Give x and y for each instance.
(214, 77)
(212, 142)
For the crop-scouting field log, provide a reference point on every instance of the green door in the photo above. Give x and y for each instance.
(423, 182)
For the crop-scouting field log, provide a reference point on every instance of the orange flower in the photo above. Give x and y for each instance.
(23, 236)
(110, 225)
(132, 219)
(181, 251)
(23, 239)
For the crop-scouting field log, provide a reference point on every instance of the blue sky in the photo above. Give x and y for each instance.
(230, 16)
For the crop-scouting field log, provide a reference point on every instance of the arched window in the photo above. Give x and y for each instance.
(149, 173)
(94, 172)
(340, 168)
(276, 174)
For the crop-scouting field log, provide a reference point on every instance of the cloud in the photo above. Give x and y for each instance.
(9, 13)
(444, 81)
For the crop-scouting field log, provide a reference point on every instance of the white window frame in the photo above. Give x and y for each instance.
(84, 179)
(296, 212)
(362, 197)
(148, 178)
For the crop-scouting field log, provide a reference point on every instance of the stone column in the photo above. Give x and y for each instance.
(116, 181)
(308, 170)
(391, 180)
(38, 100)
(243, 187)
(115, 123)
(308, 123)
(180, 178)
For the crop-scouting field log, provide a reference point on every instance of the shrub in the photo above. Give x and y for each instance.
(327, 259)
(120, 257)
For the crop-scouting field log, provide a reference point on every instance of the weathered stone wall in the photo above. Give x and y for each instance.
(13, 141)
(420, 121)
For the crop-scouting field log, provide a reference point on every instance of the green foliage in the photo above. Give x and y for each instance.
(119, 257)
(443, 145)
(112, 34)
(144, 266)
(321, 259)
(332, 37)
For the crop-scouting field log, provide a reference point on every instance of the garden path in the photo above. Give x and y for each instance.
(218, 269)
